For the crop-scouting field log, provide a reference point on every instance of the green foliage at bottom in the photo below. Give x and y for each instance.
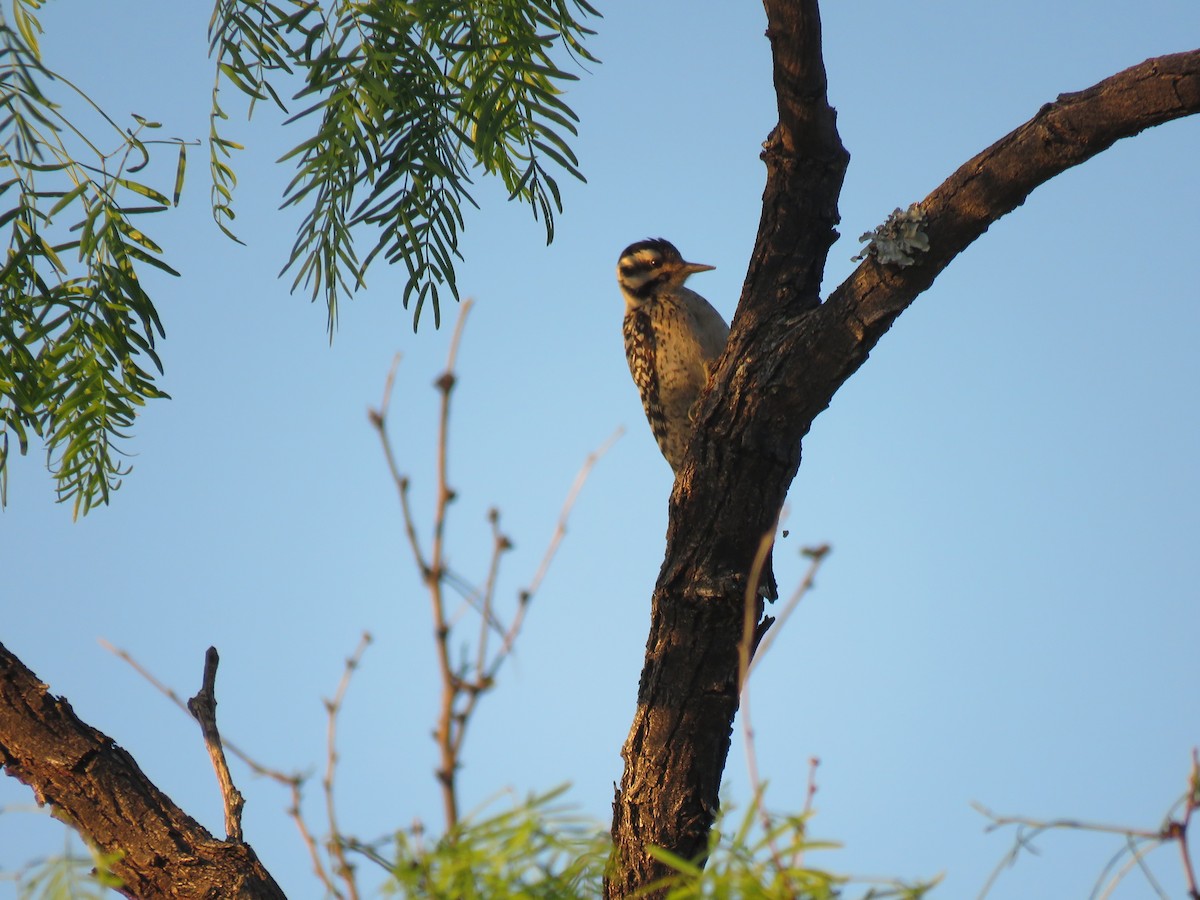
(69, 877)
(543, 849)
(761, 856)
(538, 849)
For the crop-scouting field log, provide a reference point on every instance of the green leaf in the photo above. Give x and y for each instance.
(144, 190)
(180, 168)
(67, 199)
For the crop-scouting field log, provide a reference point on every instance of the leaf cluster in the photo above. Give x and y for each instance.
(77, 328)
(403, 102)
(539, 848)
(71, 876)
(762, 855)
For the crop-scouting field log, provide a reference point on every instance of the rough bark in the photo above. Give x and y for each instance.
(787, 355)
(96, 786)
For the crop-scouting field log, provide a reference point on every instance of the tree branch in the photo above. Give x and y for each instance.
(786, 357)
(98, 788)
(1063, 134)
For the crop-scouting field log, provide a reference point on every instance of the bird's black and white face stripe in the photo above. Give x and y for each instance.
(646, 265)
(650, 266)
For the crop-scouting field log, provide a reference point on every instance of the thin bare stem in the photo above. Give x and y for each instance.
(1040, 825)
(564, 514)
(379, 418)
(560, 531)
(752, 607)
(333, 707)
(1137, 860)
(810, 794)
(447, 739)
(751, 634)
(1179, 830)
(816, 556)
(755, 640)
(310, 842)
(464, 683)
(294, 782)
(124, 655)
(487, 619)
(203, 708)
(432, 568)
(255, 766)
(445, 385)
(410, 530)
(1139, 843)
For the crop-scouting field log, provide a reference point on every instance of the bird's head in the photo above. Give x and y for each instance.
(651, 266)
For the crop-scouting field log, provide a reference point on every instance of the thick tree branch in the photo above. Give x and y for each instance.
(97, 786)
(787, 355)
(688, 694)
(804, 360)
(1063, 134)
(806, 164)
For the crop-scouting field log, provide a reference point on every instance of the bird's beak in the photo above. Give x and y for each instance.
(692, 268)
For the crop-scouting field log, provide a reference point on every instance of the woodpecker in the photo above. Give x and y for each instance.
(673, 338)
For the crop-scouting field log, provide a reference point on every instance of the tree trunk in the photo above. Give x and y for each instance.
(97, 787)
(787, 355)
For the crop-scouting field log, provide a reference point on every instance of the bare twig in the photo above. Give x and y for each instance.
(757, 635)
(463, 683)
(294, 782)
(752, 632)
(432, 568)
(310, 842)
(445, 385)
(333, 707)
(487, 618)
(1137, 852)
(560, 531)
(1139, 843)
(1178, 829)
(449, 728)
(809, 795)
(753, 629)
(203, 708)
(816, 556)
(564, 514)
(811, 792)
(378, 418)
(1041, 825)
(255, 766)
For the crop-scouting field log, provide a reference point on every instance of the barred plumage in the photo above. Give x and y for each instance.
(673, 336)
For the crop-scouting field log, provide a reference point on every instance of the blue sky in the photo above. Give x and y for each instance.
(1009, 484)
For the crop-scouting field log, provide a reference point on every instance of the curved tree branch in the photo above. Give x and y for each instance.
(96, 785)
(787, 355)
(1062, 134)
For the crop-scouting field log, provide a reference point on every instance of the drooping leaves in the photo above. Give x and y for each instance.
(403, 102)
(77, 328)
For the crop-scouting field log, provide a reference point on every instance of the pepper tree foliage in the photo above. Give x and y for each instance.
(77, 329)
(399, 105)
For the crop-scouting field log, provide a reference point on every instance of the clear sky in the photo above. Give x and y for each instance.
(1010, 483)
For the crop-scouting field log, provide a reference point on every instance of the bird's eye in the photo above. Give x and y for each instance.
(654, 262)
